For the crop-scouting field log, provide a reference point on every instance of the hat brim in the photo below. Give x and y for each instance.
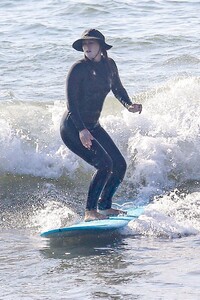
(78, 44)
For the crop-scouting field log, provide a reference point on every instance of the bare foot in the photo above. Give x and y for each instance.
(112, 212)
(91, 215)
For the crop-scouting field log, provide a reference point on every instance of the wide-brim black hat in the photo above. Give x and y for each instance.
(91, 34)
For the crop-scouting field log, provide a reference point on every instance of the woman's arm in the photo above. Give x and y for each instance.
(117, 87)
(73, 94)
(120, 92)
(73, 97)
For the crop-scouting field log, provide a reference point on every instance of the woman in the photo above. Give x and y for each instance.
(88, 83)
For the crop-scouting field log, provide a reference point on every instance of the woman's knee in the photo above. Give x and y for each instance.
(105, 164)
(119, 168)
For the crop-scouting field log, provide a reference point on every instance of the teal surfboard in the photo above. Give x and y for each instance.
(97, 226)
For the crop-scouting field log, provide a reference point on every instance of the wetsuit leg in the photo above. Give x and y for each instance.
(96, 157)
(118, 170)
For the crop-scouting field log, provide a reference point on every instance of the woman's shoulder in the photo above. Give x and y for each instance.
(77, 67)
(78, 64)
(111, 61)
(112, 64)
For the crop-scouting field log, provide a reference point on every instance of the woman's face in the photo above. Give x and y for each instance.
(92, 49)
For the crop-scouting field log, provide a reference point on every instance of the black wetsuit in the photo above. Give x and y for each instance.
(88, 84)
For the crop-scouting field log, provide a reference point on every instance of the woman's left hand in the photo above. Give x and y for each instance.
(135, 108)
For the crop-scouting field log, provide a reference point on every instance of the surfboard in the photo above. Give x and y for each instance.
(94, 227)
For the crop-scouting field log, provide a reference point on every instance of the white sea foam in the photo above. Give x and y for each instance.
(53, 215)
(175, 215)
(165, 142)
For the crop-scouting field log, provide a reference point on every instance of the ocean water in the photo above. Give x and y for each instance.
(43, 185)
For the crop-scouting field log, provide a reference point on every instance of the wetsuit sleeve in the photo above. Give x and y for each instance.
(117, 87)
(73, 95)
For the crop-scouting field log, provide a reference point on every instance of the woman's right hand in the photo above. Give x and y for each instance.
(86, 138)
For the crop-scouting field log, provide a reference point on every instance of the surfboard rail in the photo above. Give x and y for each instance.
(97, 226)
